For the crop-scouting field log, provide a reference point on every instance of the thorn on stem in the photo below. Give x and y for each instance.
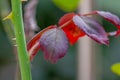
(8, 17)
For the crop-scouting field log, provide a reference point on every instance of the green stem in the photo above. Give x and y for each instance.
(17, 20)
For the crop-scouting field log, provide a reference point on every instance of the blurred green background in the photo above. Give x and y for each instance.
(66, 69)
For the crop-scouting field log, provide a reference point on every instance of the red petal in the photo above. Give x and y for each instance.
(33, 50)
(33, 45)
(66, 18)
(71, 30)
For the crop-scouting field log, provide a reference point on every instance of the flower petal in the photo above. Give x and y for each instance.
(91, 28)
(54, 44)
(33, 45)
(72, 31)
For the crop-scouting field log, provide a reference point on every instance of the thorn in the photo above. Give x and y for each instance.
(8, 17)
(13, 38)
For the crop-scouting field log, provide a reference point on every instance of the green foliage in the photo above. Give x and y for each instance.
(67, 5)
(47, 13)
(116, 68)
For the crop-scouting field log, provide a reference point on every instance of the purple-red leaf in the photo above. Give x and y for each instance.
(91, 28)
(110, 17)
(54, 44)
(33, 45)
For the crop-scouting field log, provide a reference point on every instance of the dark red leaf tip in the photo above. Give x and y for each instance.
(110, 17)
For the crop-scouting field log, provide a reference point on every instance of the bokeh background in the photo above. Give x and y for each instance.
(48, 13)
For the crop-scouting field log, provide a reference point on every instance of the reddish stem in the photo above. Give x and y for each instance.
(65, 24)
